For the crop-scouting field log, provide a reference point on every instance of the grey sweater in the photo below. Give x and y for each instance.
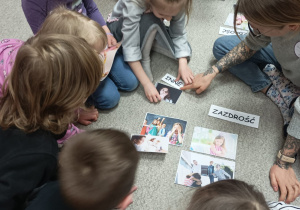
(286, 50)
(131, 13)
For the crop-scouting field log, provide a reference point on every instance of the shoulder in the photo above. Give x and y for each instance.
(15, 143)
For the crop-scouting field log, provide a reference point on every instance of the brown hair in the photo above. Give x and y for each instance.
(97, 169)
(271, 13)
(64, 21)
(228, 195)
(52, 76)
(137, 138)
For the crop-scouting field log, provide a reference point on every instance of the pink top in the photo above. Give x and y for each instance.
(217, 148)
(8, 52)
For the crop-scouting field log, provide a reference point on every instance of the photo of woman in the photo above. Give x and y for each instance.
(167, 93)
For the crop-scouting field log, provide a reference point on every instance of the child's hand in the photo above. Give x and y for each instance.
(201, 81)
(88, 115)
(151, 93)
(111, 41)
(128, 199)
(185, 72)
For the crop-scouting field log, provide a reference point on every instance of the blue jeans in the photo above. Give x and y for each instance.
(249, 71)
(120, 77)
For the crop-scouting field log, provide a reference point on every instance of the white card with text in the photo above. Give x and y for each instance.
(230, 31)
(168, 78)
(234, 116)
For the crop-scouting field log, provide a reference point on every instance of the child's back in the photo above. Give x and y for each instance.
(97, 172)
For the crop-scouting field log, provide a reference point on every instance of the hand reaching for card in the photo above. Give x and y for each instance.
(185, 72)
(201, 81)
(151, 93)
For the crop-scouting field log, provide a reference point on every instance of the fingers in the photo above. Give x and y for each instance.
(274, 183)
(113, 41)
(290, 194)
(283, 192)
(187, 87)
(199, 90)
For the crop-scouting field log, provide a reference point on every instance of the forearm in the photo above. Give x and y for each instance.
(237, 55)
(139, 72)
(290, 149)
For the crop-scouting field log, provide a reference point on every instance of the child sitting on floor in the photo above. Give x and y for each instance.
(97, 171)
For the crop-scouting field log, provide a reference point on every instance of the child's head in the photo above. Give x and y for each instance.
(270, 17)
(211, 162)
(218, 167)
(166, 9)
(196, 176)
(145, 122)
(164, 125)
(155, 121)
(227, 195)
(52, 76)
(177, 127)
(195, 162)
(219, 141)
(64, 21)
(97, 169)
(138, 140)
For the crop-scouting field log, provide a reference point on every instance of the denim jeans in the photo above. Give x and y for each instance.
(249, 71)
(120, 77)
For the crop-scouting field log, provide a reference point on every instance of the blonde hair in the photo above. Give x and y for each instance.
(52, 76)
(271, 13)
(97, 169)
(145, 4)
(64, 21)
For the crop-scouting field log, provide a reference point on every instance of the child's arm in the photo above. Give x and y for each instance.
(180, 139)
(150, 90)
(184, 71)
(94, 13)
(182, 47)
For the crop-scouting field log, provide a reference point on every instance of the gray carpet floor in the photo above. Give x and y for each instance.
(256, 148)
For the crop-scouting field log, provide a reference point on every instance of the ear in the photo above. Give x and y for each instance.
(294, 27)
(127, 200)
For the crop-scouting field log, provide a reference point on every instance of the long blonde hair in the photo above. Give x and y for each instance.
(271, 13)
(52, 76)
(64, 21)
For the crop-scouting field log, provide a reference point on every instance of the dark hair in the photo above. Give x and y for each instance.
(137, 138)
(196, 175)
(97, 169)
(228, 195)
(168, 95)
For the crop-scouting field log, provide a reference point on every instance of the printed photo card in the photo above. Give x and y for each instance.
(108, 56)
(214, 142)
(196, 170)
(158, 125)
(148, 143)
(167, 93)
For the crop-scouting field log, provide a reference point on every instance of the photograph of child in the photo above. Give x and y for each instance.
(167, 93)
(172, 128)
(214, 142)
(148, 143)
(196, 170)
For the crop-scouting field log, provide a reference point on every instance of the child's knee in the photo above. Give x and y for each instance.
(108, 100)
(131, 83)
(218, 49)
